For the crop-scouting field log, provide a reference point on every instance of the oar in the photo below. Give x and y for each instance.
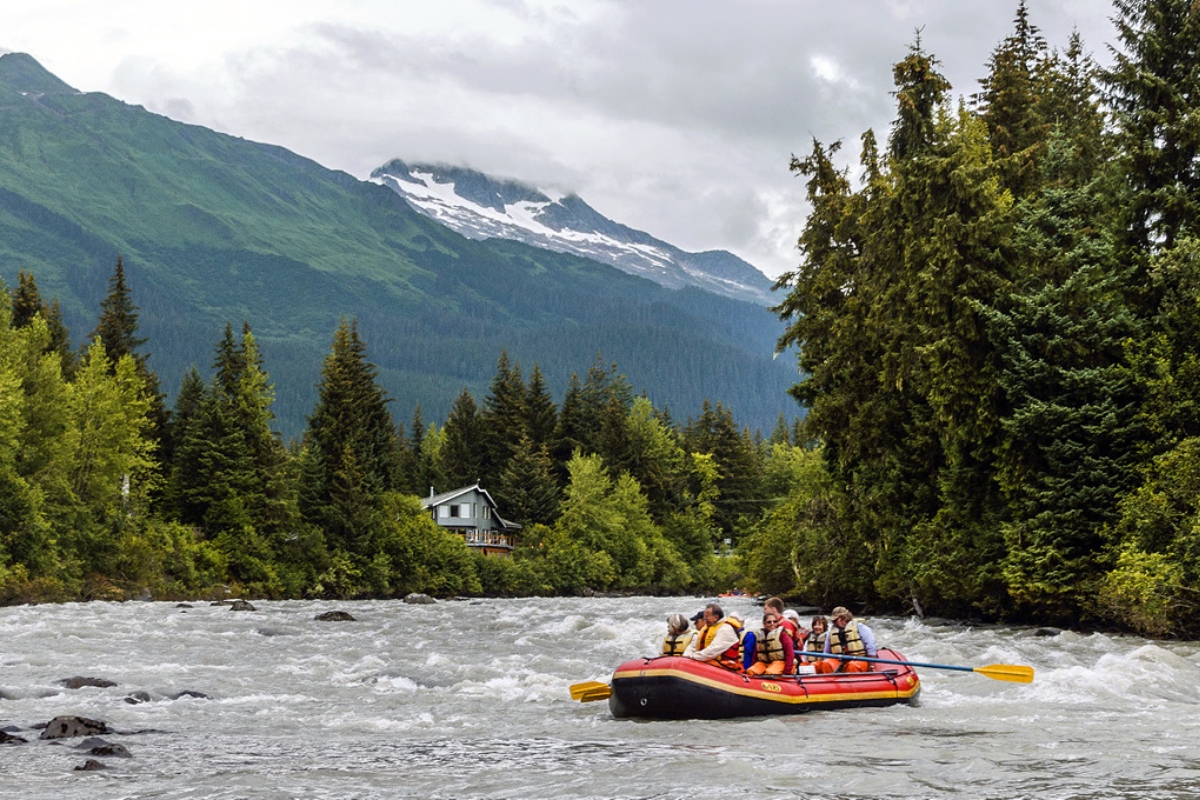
(999, 672)
(592, 690)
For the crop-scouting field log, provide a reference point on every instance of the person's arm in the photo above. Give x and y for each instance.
(789, 655)
(690, 650)
(868, 640)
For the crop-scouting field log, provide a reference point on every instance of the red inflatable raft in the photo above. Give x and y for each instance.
(680, 688)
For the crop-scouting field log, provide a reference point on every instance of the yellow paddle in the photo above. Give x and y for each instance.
(590, 691)
(1000, 672)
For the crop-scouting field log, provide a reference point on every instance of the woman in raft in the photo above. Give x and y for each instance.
(776, 649)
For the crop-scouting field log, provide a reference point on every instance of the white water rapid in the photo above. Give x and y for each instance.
(469, 699)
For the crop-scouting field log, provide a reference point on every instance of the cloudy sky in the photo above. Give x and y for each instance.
(677, 117)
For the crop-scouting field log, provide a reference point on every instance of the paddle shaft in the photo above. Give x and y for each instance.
(888, 661)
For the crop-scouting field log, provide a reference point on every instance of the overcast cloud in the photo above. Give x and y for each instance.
(676, 117)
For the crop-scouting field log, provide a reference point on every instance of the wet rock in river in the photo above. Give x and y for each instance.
(242, 605)
(335, 616)
(138, 697)
(111, 749)
(91, 765)
(80, 682)
(197, 695)
(68, 727)
(418, 599)
(8, 738)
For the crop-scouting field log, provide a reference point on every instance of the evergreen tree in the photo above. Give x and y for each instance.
(26, 300)
(1152, 90)
(60, 340)
(462, 453)
(117, 330)
(118, 325)
(350, 442)
(1070, 444)
(180, 471)
(528, 485)
(716, 434)
(1010, 103)
(543, 414)
(505, 415)
(571, 434)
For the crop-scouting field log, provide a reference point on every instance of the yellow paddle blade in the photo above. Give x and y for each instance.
(578, 690)
(1007, 672)
(602, 693)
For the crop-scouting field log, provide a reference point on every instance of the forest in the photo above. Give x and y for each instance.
(108, 494)
(999, 339)
(997, 321)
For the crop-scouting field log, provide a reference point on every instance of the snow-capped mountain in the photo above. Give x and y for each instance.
(481, 207)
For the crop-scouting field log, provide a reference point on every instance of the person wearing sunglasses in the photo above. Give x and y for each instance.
(776, 652)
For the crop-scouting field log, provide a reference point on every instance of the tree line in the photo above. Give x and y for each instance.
(999, 340)
(107, 492)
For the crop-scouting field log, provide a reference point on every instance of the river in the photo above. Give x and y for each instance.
(469, 699)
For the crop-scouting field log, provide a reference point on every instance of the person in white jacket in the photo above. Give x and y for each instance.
(720, 638)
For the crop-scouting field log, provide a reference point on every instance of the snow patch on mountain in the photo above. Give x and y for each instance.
(482, 207)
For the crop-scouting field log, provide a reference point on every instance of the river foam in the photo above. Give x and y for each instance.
(471, 700)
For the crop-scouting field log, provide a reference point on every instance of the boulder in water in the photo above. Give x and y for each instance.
(335, 616)
(186, 693)
(8, 738)
(418, 599)
(111, 749)
(91, 765)
(78, 682)
(68, 727)
(138, 697)
(242, 605)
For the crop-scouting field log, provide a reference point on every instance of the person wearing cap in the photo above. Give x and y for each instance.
(847, 636)
(719, 642)
(678, 636)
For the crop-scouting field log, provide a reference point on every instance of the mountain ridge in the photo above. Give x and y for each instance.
(214, 229)
(480, 206)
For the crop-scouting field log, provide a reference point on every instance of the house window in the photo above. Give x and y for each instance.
(487, 512)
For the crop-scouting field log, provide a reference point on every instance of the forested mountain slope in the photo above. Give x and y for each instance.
(212, 228)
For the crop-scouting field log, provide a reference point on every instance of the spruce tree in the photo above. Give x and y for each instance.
(1010, 103)
(528, 485)
(543, 414)
(117, 330)
(26, 300)
(1071, 436)
(462, 454)
(1152, 90)
(350, 441)
(118, 325)
(505, 415)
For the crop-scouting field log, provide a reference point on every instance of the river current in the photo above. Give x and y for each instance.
(470, 699)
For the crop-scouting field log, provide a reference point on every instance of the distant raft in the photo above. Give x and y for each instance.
(671, 687)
